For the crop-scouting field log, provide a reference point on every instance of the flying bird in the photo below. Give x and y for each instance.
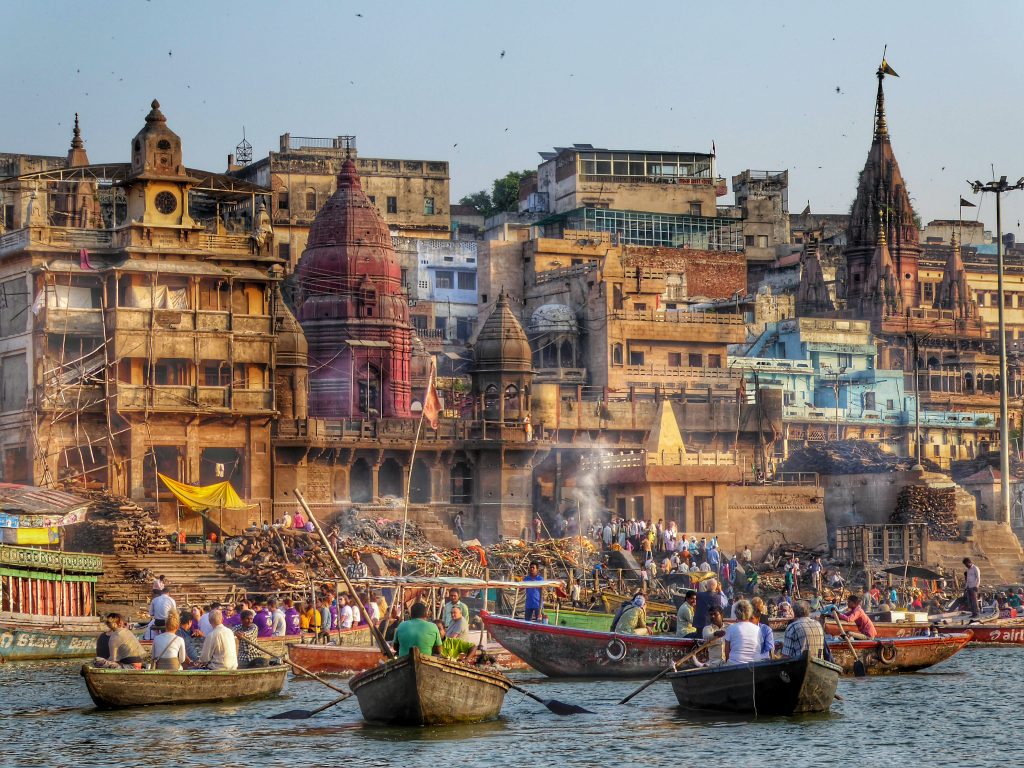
(501, 55)
(169, 53)
(359, 15)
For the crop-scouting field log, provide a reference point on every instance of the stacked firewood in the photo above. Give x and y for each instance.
(117, 524)
(935, 507)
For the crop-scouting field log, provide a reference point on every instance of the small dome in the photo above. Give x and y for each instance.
(553, 318)
(292, 349)
(501, 344)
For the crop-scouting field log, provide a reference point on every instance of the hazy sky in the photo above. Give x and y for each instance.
(427, 81)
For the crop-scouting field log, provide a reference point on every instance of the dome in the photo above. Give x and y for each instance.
(501, 344)
(292, 349)
(553, 318)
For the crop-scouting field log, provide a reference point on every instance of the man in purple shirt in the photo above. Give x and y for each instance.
(235, 619)
(292, 622)
(263, 620)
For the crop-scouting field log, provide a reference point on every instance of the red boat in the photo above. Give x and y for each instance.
(994, 633)
(887, 656)
(568, 652)
(349, 659)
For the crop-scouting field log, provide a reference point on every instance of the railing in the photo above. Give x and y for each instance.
(51, 561)
(897, 418)
(664, 459)
(236, 243)
(676, 316)
(15, 240)
(381, 431)
(693, 374)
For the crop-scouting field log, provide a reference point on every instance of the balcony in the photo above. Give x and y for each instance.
(175, 398)
(73, 397)
(721, 378)
(252, 400)
(73, 321)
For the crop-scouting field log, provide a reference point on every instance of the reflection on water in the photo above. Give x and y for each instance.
(967, 709)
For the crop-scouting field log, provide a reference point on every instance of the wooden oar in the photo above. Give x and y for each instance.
(291, 664)
(858, 664)
(556, 706)
(673, 668)
(303, 714)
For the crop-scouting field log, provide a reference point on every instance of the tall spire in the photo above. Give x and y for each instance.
(76, 139)
(77, 156)
(881, 127)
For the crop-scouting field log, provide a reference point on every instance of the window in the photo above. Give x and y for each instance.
(675, 511)
(14, 378)
(675, 359)
(638, 507)
(462, 484)
(444, 279)
(428, 206)
(419, 322)
(704, 514)
(310, 199)
(620, 506)
(714, 361)
(640, 307)
(695, 209)
(467, 281)
(282, 201)
(214, 374)
(929, 291)
(284, 251)
(372, 199)
(695, 360)
(392, 204)
(845, 361)
(635, 357)
(463, 328)
(616, 354)
(749, 240)
(889, 405)
(762, 241)
(869, 401)
(405, 277)
(441, 323)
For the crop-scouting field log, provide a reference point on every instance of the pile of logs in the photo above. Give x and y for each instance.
(117, 524)
(843, 457)
(277, 560)
(935, 507)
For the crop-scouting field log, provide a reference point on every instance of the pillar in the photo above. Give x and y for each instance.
(375, 478)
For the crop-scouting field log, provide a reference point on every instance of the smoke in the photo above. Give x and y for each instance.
(587, 490)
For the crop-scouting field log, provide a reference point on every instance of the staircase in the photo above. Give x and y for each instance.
(436, 530)
(991, 545)
(192, 578)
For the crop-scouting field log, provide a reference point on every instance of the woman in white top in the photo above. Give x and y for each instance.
(169, 647)
(743, 639)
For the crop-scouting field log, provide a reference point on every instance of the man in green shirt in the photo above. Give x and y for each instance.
(417, 632)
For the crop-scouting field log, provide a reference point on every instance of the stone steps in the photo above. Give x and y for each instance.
(192, 578)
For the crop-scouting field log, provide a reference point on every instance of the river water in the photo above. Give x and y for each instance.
(967, 710)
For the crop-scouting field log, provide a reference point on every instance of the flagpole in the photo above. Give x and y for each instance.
(412, 463)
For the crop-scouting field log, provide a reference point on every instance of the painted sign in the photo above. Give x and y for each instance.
(30, 644)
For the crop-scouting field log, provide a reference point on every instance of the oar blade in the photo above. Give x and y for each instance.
(292, 714)
(859, 669)
(564, 708)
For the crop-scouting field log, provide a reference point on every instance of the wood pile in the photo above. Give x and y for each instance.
(935, 507)
(848, 457)
(117, 524)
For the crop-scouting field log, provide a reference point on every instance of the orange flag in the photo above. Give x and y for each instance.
(432, 403)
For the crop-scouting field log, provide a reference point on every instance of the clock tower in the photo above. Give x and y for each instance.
(157, 183)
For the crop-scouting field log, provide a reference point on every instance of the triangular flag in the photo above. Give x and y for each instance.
(431, 402)
(887, 70)
(966, 203)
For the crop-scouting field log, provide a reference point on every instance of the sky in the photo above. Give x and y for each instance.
(428, 81)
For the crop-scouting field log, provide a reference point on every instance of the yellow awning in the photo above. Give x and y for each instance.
(202, 498)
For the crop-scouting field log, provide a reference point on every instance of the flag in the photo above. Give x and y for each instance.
(713, 152)
(885, 69)
(431, 402)
(967, 204)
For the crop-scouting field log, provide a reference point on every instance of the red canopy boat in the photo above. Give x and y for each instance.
(568, 652)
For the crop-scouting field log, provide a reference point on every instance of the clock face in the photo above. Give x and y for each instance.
(166, 202)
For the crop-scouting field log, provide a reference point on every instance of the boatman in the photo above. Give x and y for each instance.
(454, 601)
(534, 596)
(417, 632)
(972, 583)
(865, 629)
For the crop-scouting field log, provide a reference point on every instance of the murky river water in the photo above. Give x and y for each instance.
(968, 710)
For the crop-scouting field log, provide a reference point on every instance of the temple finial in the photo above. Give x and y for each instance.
(76, 137)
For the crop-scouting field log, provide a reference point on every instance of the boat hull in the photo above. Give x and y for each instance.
(428, 690)
(348, 660)
(119, 688)
(26, 643)
(1008, 633)
(784, 687)
(566, 652)
(894, 655)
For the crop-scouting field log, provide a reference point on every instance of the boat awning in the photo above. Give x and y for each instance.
(453, 582)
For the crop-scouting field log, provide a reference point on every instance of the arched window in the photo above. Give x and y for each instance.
(616, 354)
(310, 199)
(419, 483)
(491, 405)
(512, 401)
(969, 382)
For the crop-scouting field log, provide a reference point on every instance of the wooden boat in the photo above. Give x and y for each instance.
(428, 690)
(783, 687)
(597, 620)
(893, 655)
(613, 600)
(1004, 632)
(116, 688)
(566, 652)
(47, 604)
(349, 659)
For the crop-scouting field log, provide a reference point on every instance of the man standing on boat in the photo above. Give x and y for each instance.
(417, 632)
(972, 583)
(534, 596)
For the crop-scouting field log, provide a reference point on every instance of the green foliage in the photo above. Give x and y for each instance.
(504, 195)
(453, 647)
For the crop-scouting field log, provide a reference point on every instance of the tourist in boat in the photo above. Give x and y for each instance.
(124, 648)
(247, 633)
(103, 641)
(760, 620)
(714, 631)
(743, 639)
(855, 613)
(454, 601)
(972, 583)
(323, 634)
(458, 626)
(204, 621)
(633, 620)
(233, 617)
(264, 620)
(684, 616)
(219, 650)
(709, 597)
(160, 607)
(803, 635)
(187, 631)
(417, 632)
(292, 619)
(278, 626)
(534, 596)
(168, 647)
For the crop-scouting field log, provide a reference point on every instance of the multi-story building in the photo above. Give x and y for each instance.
(144, 346)
(763, 200)
(410, 195)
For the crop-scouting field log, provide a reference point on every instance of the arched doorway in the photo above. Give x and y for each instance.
(462, 483)
(511, 402)
(491, 403)
(389, 479)
(419, 484)
(361, 482)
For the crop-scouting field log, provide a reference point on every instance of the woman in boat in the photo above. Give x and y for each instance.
(743, 639)
(633, 620)
(125, 650)
(168, 646)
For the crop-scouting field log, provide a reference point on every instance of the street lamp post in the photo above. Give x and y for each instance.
(999, 187)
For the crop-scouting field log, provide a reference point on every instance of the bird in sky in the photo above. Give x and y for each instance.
(169, 53)
(501, 55)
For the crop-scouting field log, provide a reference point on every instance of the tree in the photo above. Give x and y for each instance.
(504, 195)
